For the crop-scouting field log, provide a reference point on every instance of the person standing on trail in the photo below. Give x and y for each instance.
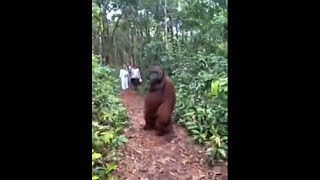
(136, 77)
(124, 76)
(130, 74)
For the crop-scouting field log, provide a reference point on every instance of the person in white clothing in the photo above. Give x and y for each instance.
(124, 76)
(135, 77)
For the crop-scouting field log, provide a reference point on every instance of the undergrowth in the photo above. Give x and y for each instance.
(202, 102)
(108, 120)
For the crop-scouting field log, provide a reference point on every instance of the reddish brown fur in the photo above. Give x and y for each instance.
(159, 106)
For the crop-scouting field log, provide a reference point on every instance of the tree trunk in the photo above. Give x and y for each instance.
(165, 25)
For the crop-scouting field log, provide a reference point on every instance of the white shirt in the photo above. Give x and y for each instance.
(123, 73)
(136, 73)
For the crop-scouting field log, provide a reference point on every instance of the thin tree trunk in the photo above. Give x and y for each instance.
(115, 52)
(165, 24)
(134, 47)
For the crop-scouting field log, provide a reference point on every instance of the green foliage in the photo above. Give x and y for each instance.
(108, 120)
(204, 112)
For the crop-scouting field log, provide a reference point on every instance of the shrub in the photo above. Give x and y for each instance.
(204, 113)
(108, 120)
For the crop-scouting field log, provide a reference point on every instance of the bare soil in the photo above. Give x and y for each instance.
(150, 157)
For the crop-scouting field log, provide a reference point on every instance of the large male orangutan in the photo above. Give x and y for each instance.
(159, 102)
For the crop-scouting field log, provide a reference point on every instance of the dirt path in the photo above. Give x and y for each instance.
(149, 157)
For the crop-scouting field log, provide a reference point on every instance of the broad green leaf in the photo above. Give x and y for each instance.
(95, 178)
(214, 88)
(222, 152)
(195, 131)
(96, 156)
(203, 136)
(110, 166)
(192, 127)
(123, 139)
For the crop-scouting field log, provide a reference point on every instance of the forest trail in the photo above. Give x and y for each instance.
(149, 157)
